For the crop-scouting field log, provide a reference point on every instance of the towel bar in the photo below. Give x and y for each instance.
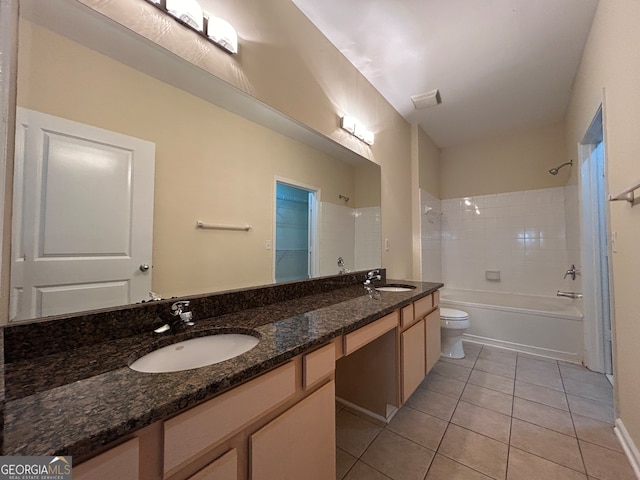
(627, 195)
(216, 226)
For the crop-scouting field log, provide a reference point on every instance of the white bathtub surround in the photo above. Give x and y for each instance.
(353, 234)
(431, 237)
(520, 234)
(545, 326)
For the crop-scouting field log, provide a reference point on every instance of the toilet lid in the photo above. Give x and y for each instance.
(452, 314)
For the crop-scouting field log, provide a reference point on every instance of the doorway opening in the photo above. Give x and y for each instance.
(595, 249)
(295, 227)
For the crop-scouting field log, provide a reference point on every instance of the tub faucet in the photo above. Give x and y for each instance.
(184, 318)
(573, 295)
(572, 271)
(343, 269)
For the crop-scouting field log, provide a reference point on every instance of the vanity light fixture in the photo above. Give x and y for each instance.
(355, 128)
(223, 33)
(188, 11)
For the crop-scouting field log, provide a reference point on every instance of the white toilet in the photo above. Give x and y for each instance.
(453, 323)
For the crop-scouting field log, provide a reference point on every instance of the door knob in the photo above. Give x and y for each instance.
(144, 267)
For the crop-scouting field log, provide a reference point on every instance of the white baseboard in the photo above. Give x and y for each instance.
(630, 449)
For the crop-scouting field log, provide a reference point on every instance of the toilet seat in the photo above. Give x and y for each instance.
(453, 315)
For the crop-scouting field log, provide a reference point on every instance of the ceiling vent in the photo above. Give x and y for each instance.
(426, 100)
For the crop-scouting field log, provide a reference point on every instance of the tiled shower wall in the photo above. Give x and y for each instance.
(523, 235)
(353, 234)
(368, 244)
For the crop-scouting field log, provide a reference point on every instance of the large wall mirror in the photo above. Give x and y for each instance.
(117, 159)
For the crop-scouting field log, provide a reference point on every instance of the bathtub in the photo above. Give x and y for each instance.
(545, 326)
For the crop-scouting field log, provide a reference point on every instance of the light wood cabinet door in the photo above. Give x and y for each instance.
(300, 443)
(189, 434)
(412, 358)
(433, 338)
(121, 462)
(222, 468)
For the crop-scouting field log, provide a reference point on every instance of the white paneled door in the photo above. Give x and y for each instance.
(83, 217)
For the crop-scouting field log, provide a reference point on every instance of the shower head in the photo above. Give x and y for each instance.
(554, 171)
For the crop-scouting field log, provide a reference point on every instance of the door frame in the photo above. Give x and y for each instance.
(597, 355)
(314, 224)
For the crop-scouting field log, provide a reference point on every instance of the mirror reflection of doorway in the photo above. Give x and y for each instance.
(83, 217)
(295, 231)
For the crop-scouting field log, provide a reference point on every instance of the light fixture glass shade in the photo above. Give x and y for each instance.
(189, 11)
(348, 123)
(223, 33)
(355, 128)
(368, 137)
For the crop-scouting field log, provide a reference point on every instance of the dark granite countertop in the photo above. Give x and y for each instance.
(75, 401)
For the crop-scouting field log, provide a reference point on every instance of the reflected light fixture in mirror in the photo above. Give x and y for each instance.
(223, 33)
(355, 128)
(188, 11)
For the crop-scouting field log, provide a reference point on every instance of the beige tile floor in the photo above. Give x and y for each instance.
(494, 414)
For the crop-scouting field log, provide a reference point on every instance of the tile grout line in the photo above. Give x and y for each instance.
(573, 423)
(449, 423)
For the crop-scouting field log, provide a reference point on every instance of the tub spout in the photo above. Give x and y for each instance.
(568, 294)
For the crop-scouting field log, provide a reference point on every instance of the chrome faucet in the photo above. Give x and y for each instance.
(573, 295)
(343, 269)
(572, 271)
(184, 318)
(372, 275)
(368, 283)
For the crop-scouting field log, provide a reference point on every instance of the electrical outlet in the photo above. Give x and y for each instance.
(386, 244)
(267, 245)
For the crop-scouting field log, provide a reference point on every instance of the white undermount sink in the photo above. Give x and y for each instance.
(396, 288)
(195, 353)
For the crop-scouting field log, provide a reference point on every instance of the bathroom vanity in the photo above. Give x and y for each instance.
(267, 413)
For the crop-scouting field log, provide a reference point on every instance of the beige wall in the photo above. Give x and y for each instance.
(210, 164)
(287, 63)
(425, 174)
(429, 164)
(611, 62)
(505, 163)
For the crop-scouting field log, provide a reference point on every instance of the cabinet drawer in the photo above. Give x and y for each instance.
(354, 340)
(423, 306)
(120, 462)
(436, 298)
(319, 364)
(407, 316)
(223, 468)
(196, 430)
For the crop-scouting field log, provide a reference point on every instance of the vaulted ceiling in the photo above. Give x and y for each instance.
(499, 65)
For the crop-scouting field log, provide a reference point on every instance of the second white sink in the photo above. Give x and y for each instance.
(195, 353)
(396, 288)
